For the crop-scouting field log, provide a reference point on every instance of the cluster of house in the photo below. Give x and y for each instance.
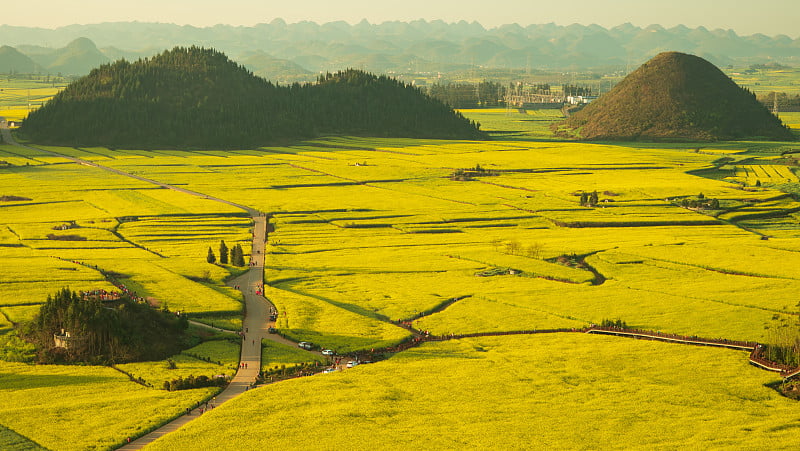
(580, 100)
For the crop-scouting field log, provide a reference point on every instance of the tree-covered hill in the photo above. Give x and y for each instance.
(195, 97)
(103, 332)
(676, 97)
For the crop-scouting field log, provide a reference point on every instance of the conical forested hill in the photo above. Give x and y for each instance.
(194, 97)
(676, 97)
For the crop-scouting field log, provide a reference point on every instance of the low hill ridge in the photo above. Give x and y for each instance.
(676, 97)
(198, 98)
(12, 61)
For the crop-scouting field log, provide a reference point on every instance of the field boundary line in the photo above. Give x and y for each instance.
(9, 139)
(130, 376)
(658, 336)
(256, 312)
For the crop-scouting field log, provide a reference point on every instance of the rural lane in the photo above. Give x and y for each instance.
(256, 321)
(254, 326)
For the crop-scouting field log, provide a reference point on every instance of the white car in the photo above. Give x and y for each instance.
(328, 352)
(351, 364)
(305, 345)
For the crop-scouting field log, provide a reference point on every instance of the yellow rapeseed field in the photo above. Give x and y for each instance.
(368, 231)
(564, 391)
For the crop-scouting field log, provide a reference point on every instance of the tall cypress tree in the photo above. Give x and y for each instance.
(237, 255)
(223, 252)
(211, 258)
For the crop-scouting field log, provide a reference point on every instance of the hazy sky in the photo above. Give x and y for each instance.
(770, 17)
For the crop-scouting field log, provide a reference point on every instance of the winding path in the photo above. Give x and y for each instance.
(256, 323)
(257, 308)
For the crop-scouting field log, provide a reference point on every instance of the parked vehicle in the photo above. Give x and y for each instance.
(351, 364)
(328, 352)
(305, 345)
(272, 330)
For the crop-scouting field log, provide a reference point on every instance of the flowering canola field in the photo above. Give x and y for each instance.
(366, 232)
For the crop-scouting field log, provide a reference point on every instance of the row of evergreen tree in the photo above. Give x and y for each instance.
(236, 254)
(198, 98)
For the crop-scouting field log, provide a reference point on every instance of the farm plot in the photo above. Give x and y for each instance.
(367, 239)
(83, 407)
(560, 390)
(791, 119)
(57, 215)
(333, 325)
(211, 358)
(762, 174)
(354, 248)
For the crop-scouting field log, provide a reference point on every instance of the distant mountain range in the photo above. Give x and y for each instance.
(286, 52)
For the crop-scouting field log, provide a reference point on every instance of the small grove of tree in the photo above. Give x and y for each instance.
(211, 258)
(519, 88)
(533, 250)
(469, 173)
(103, 332)
(574, 90)
(589, 199)
(614, 323)
(701, 202)
(237, 255)
(223, 252)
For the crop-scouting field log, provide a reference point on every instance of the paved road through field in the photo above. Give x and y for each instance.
(257, 308)
(256, 323)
